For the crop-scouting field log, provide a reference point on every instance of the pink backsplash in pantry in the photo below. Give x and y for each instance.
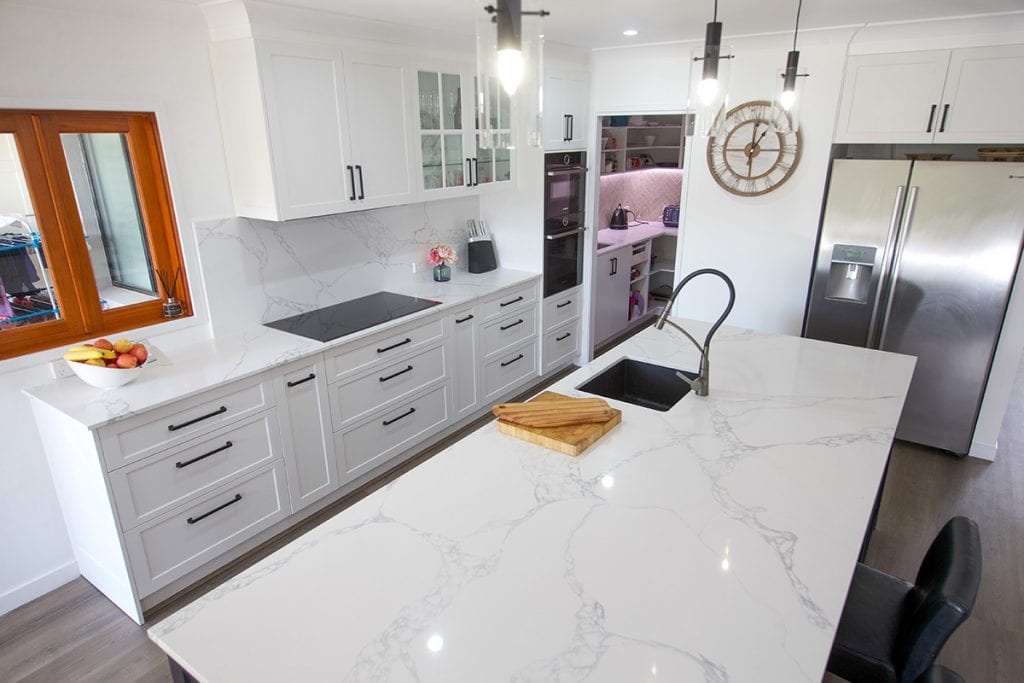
(646, 192)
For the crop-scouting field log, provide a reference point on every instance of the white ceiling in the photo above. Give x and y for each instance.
(599, 23)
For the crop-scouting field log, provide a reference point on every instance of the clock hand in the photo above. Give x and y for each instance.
(762, 136)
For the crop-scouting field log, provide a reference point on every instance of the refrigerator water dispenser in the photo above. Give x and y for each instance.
(849, 277)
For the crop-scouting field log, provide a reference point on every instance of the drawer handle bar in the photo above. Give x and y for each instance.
(395, 346)
(174, 428)
(511, 325)
(510, 362)
(400, 372)
(301, 381)
(509, 303)
(405, 414)
(193, 520)
(564, 336)
(226, 446)
(459, 321)
(563, 305)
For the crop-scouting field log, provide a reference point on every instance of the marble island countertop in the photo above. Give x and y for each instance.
(636, 232)
(712, 542)
(186, 366)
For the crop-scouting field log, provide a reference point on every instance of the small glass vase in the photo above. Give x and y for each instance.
(442, 272)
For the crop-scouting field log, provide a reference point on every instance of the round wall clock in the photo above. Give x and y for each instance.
(751, 157)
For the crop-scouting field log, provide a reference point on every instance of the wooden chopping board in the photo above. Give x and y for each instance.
(568, 439)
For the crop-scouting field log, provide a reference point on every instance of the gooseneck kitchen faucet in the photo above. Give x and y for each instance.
(700, 384)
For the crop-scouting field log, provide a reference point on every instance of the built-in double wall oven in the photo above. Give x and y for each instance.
(564, 187)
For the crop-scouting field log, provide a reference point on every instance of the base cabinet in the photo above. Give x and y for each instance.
(305, 417)
(611, 294)
(466, 367)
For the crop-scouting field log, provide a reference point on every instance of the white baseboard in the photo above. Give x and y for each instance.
(27, 592)
(983, 451)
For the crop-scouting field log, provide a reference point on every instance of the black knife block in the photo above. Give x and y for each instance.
(481, 255)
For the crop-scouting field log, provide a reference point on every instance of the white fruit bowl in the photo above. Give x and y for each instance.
(105, 378)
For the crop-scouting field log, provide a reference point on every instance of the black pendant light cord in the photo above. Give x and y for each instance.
(796, 29)
(716, 10)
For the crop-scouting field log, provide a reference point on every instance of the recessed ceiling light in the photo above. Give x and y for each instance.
(630, 32)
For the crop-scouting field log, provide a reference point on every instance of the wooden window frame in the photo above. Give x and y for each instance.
(37, 134)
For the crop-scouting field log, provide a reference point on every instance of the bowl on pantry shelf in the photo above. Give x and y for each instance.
(104, 377)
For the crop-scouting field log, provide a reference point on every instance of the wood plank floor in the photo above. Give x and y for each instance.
(75, 634)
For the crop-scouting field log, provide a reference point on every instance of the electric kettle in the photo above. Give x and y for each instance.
(620, 219)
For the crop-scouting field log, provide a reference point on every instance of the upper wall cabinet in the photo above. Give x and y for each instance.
(450, 158)
(310, 130)
(566, 100)
(964, 95)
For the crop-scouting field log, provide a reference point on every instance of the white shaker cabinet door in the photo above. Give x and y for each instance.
(380, 116)
(611, 294)
(892, 97)
(984, 98)
(304, 93)
(566, 100)
(465, 348)
(305, 417)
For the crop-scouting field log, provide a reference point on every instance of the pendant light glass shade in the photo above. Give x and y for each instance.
(788, 97)
(709, 96)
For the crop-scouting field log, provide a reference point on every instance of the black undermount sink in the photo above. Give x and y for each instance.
(642, 384)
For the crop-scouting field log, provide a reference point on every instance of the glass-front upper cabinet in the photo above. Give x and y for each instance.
(495, 165)
(452, 160)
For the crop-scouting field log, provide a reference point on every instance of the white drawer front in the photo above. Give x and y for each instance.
(169, 547)
(387, 383)
(391, 432)
(147, 489)
(157, 430)
(561, 308)
(367, 353)
(509, 301)
(509, 330)
(509, 369)
(561, 345)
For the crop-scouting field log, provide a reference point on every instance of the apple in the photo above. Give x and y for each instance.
(141, 352)
(111, 362)
(123, 345)
(126, 360)
(104, 344)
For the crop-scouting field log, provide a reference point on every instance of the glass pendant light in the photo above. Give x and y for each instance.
(789, 88)
(711, 94)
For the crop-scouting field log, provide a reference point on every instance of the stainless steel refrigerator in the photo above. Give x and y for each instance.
(919, 258)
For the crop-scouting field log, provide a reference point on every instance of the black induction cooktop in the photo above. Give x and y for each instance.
(331, 322)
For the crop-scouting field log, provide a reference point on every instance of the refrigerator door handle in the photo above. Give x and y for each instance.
(908, 218)
(887, 252)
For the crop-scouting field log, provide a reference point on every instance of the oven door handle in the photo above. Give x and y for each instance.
(580, 170)
(567, 233)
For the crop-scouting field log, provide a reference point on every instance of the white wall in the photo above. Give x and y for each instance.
(102, 54)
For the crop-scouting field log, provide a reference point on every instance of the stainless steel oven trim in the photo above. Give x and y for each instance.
(567, 233)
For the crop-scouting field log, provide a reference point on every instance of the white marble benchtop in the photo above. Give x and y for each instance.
(639, 232)
(188, 366)
(712, 542)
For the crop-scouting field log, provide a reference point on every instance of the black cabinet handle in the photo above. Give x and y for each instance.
(301, 381)
(359, 170)
(945, 113)
(509, 303)
(395, 346)
(476, 171)
(511, 325)
(174, 428)
(563, 305)
(931, 118)
(572, 127)
(510, 362)
(226, 446)
(193, 520)
(400, 372)
(564, 336)
(469, 172)
(405, 414)
(459, 321)
(565, 129)
(614, 263)
(352, 180)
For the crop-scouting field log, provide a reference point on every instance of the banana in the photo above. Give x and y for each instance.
(80, 354)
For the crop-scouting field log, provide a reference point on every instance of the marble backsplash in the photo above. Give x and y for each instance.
(646, 192)
(256, 271)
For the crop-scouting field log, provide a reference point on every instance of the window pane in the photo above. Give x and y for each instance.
(104, 185)
(25, 293)
(451, 85)
(430, 102)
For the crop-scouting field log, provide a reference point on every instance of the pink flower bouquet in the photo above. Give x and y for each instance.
(442, 254)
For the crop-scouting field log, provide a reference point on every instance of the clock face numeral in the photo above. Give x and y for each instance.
(751, 157)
